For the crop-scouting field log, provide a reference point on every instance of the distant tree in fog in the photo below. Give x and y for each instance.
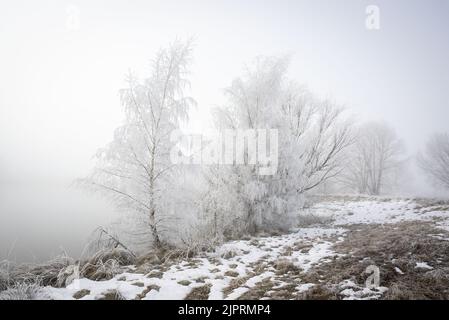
(435, 159)
(374, 161)
(135, 168)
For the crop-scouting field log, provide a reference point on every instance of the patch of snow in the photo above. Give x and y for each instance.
(306, 260)
(352, 291)
(378, 211)
(423, 265)
(304, 287)
(399, 271)
(233, 256)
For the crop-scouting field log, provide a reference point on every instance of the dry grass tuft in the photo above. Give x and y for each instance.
(234, 284)
(122, 257)
(142, 295)
(199, 293)
(101, 270)
(284, 266)
(184, 282)
(258, 291)
(112, 295)
(231, 273)
(138, 284)
(319, 292)
(155, 274)
(81, 293)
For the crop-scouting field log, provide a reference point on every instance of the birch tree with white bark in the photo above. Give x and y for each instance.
(134, 169)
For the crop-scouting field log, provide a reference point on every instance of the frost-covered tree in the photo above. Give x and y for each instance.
(220, 208)
(374, 160)
(135, 168)
(312, 135)
(435, 159)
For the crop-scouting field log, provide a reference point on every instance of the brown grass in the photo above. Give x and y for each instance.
(234, 284)
(138, 284)
(319, 292)
(231, 273)
(199, 293)
(399, 245)
(142, 295)
(284, 266)
(45, 274)
(155, 274)
(184, 282)
(81, 293)
(259, 291)
(111, 295)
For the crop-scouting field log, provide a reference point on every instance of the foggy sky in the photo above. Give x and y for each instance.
(59, 84)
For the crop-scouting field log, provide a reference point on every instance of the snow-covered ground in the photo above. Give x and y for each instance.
(231, 260)
(381, 211)
(238, 266)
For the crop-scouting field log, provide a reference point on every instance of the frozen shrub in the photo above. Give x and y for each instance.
(45, 273)
(24, 291)
(4, 275)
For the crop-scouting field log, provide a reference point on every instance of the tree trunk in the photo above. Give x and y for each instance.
(251, 221)
(154, 232)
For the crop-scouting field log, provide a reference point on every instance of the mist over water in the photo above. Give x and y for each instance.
(40, 220)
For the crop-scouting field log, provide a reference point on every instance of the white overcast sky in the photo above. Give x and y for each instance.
(59, 86)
